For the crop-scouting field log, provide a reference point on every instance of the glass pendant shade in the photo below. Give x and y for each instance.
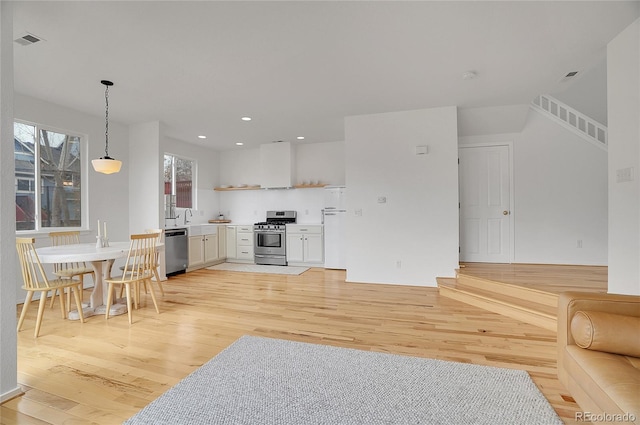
(106, 164)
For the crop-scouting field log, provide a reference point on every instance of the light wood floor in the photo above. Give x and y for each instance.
(102, 372)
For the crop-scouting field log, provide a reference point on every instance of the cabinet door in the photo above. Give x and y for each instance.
(313, 248)
(210, 248)
(295, 247)
(231, 242)
(196, 254)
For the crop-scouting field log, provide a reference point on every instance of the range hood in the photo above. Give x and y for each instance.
(276, 165)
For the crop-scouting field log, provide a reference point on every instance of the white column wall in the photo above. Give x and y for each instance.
(412, 238)
(623, 102)
(145, 177)
(8, 257)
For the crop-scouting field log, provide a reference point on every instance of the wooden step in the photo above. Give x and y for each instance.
(497, 298)
(516, 291)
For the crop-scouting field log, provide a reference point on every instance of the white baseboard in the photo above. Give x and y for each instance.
(10, 394)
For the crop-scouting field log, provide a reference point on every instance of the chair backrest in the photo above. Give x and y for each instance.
(141, 259)
(66, 238)
(33, 274)
(160, 233)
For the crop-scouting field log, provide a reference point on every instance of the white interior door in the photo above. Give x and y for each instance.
(484, 204)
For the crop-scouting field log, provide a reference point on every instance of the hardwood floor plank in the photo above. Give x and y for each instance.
(104, 371)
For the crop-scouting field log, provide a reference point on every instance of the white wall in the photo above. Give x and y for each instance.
(8, 258)
(145, 185)
(588, 92)
(560, 196)
(207, 177)
(324, 162)
(418, 224)
(623, 79)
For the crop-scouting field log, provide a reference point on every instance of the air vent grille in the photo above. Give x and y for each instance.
(568, 76)
(27, 39)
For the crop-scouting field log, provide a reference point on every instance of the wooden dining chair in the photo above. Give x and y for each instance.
(160, 233)
(137, 270)
(35, 280)
(72, 269)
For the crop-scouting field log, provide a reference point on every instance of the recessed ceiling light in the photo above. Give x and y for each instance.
(300, 137)
(469, 75)
(246, 118)
(239, 144)
(202, 137)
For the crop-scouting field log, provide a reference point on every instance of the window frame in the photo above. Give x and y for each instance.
(194, 178)
(84, 174)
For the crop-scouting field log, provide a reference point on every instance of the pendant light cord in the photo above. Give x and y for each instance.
(106, 131)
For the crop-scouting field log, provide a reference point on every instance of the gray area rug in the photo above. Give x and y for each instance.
(259, 268)
(271, 381)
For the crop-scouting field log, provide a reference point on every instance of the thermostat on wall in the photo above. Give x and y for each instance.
(422, 150)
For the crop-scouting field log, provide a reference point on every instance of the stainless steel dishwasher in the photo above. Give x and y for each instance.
(176, 251)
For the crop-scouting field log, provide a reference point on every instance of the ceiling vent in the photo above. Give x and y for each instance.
(568, 76)
(27, 39)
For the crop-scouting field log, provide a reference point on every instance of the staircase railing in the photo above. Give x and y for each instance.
(590, 129)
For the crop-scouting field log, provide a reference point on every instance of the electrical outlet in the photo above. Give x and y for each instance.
(579, 244)
(358, 212)
(624, 175)
(382, 199)
(398, 264)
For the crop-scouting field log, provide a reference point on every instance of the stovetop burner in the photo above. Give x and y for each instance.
(275, 223)
(278, 218)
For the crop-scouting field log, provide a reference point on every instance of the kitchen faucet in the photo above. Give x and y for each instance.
(188, 210)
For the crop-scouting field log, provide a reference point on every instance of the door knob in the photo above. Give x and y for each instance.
(505, 212)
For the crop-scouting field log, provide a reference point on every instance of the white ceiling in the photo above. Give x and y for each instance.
(299, 67)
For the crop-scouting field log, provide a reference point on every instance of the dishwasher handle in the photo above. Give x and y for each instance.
(177, 232)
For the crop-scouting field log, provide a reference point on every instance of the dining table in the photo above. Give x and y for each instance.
(101, 260)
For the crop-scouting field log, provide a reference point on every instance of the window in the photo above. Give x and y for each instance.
(48, 177)
(178, 179)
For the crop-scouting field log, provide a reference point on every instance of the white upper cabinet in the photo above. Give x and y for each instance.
(276, 165)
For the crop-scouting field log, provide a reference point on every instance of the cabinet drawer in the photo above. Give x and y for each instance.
(300, 228)
(248, 229)
(244, 239)
(245, 253)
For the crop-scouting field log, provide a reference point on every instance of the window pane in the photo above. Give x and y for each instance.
(24, 157)
(184, 179)
(168, 172)
(182, 169)
(60, 180)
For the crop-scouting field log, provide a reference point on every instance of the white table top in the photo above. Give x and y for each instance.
(82, 252)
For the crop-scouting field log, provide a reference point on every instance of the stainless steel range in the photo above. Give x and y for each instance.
(271, 238)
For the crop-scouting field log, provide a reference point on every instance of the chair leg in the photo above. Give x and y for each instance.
(77, 290)
(109, 299)
(62, 295)
(155, 272)
(41, 305)
(53, 298)
(129, 312)
(153, 294)
(25, 307)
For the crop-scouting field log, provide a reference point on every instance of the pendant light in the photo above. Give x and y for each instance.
(106, 164)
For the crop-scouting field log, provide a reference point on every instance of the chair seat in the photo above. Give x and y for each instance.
(119, 279)
(73, 272)
(53, 284)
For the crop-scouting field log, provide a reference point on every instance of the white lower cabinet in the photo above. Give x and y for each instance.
(305, 244)
(205, 250)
